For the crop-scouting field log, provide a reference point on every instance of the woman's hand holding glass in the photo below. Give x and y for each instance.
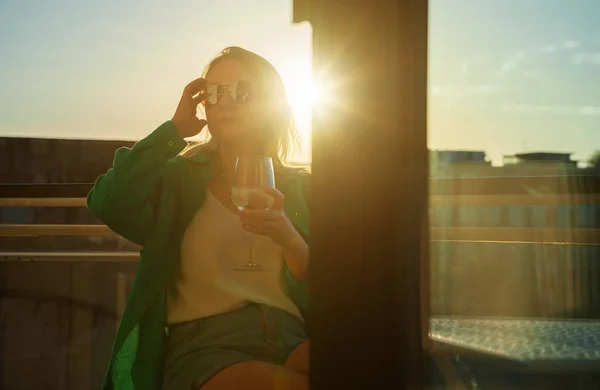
(271, 222)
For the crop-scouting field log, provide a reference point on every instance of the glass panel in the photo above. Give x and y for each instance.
(514, 115)
(58, 321)
(64, 280)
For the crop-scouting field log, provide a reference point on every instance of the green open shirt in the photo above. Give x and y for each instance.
(149, 196)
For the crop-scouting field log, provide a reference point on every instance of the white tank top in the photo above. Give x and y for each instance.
(213, 245)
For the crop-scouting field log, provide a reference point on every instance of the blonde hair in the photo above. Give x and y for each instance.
(283, 138)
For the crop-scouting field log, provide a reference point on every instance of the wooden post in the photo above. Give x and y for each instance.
(369, 225)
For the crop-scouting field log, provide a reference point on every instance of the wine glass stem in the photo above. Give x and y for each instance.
(251, 255)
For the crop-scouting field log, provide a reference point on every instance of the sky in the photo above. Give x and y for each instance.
(514, 76)
(504, 76)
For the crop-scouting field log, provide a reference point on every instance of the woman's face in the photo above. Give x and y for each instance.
(239, 119)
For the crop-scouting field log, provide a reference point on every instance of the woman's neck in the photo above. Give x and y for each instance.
(228, 155)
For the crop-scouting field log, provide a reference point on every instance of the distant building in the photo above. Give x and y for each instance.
(458, 163)
(470, 163)
(539, 157)
(458, 156)
(540, 163)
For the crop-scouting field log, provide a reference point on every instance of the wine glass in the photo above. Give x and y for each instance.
(252, 175)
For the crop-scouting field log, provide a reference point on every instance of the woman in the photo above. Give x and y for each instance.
(191, 322)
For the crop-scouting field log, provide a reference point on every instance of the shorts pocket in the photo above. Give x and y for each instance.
(180, 336)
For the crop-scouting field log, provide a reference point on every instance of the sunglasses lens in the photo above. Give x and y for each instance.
(212, 97)
(240, 91)
(243, 92)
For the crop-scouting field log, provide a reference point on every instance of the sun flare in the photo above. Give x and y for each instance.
(303, 95)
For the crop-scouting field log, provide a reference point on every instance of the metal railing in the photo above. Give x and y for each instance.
(490, 191)
(62, 256)
(497, 185)
(452, 200)
(471, 234)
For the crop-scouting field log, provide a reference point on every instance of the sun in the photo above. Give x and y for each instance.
(303, 95)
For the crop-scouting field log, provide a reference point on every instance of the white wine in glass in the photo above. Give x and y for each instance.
(252, 176)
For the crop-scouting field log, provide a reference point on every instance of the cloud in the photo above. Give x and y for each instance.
(559, 46)
(586, 58)
(457, 91)
(465, 66)
(513, 61)
(582, 110)
(570, 45)
(468, 63)
(549, 49)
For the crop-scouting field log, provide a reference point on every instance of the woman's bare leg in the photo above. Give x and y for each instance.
(299, 359)
(257, 376)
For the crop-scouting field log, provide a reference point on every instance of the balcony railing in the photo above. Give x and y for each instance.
(86, 287)
(459, 234)
(457, 193)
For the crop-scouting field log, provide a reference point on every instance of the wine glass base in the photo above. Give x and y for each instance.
(252, 266)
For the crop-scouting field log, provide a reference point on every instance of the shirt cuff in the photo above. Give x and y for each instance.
(166, 139)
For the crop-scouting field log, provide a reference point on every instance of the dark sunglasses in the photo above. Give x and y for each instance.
(240, 91)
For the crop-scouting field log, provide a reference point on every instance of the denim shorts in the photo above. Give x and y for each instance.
(197, 350)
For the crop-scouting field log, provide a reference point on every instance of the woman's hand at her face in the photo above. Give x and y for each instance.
(272, 222)
(185, 119)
